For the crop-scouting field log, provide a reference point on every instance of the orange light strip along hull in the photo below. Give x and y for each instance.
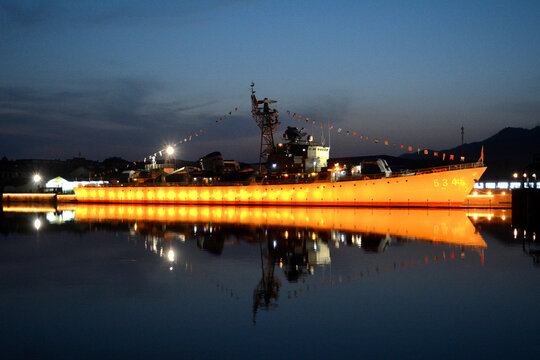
(441, 189)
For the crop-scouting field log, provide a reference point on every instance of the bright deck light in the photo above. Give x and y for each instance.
(36, 178)
(170, 150)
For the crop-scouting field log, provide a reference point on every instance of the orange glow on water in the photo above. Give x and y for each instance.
(452, 227)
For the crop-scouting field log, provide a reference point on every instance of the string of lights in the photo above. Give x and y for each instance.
(377, 140)
(170, 149)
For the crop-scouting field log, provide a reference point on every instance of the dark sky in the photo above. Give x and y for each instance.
(125, 78)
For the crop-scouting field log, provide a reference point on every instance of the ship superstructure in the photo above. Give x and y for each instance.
(299, 154)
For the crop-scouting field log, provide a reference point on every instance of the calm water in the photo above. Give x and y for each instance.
(233, 283)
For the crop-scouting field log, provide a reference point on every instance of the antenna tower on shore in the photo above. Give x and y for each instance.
(462, 138)
(268, 121)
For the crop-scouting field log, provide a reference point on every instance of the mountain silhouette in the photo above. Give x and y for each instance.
(508, 151)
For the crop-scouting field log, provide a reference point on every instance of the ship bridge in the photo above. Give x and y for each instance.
(298, 154)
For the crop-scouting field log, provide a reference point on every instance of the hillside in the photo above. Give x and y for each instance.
(506, 152)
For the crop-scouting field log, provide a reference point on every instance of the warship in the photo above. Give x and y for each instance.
(294, 172)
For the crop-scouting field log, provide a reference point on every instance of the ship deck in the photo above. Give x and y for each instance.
(305, 178)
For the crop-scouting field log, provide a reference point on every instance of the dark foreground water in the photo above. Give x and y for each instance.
(270, 283)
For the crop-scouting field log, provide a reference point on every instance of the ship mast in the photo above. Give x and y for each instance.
(267, 121)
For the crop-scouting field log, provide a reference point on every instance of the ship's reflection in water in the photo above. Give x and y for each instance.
(269, 257)
(294, 239)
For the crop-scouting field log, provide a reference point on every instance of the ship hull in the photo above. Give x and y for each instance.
(447, 188)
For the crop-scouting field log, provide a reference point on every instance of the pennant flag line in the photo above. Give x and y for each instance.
(190, 137)
(298, 116)
(376, 140)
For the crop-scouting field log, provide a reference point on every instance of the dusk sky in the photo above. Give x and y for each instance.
(124, 78)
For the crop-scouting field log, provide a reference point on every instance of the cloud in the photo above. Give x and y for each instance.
(26, 14)
(23, 107)
(99, 118)
(116, 103)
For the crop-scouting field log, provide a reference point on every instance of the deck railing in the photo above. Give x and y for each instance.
(292, 179)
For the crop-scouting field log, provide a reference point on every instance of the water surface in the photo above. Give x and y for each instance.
(262, 282)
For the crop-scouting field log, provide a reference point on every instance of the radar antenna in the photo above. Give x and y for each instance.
(268, 121)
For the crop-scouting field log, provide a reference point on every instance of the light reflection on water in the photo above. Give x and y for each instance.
(126, 270)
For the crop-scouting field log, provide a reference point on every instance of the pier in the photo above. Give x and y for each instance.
(41, 198)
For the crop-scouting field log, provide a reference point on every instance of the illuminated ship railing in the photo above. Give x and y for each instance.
(430, 170)
(305, 178)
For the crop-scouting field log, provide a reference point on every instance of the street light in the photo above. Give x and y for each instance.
(37, 180)
(169, 150)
